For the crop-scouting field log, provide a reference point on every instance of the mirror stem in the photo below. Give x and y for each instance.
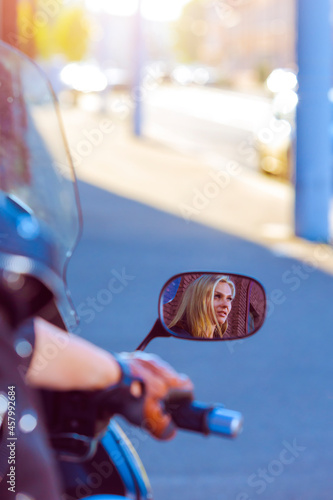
(156, 331)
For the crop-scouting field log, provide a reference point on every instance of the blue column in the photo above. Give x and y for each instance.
(137, 91)
(313, 177)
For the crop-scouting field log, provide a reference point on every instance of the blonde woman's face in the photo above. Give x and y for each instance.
(222, 301)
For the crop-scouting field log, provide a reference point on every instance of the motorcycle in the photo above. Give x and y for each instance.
(94, 457)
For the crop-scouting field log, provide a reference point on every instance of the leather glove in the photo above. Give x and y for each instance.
(161, 382)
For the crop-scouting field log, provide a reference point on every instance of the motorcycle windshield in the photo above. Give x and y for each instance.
(35, 165)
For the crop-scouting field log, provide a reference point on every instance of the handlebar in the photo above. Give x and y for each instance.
(205, 419)
(86, 411)
(186, 414)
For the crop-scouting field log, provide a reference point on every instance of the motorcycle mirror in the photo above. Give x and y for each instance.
(209, 306)
(212, 306)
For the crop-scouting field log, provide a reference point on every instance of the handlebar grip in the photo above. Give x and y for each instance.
(225, 422)
(205, 419)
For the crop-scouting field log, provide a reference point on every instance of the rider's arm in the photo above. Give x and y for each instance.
(67, 362)
(64, 361)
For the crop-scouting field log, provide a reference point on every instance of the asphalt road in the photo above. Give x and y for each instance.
(280, 379)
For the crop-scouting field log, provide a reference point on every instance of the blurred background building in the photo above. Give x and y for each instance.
(241, 41)
(236, 59)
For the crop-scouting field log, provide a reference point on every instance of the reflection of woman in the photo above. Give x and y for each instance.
(205, 307)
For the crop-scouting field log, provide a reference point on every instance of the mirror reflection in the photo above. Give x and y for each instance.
(212, 306)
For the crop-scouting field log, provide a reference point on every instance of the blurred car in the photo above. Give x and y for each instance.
(194, 74)
(84, 77)
(89, 83)
(274, 146)
(117, 78)
(274, 142)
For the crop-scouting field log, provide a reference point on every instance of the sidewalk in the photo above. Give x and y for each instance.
(225, 196)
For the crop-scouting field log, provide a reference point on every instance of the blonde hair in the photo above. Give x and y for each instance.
(196, 312)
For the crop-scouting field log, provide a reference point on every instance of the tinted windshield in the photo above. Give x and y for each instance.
(35, 165)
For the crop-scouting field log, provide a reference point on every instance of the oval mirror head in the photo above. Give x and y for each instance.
(212, 306)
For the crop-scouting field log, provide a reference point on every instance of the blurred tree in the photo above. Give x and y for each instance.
(44, 40)
(263, 70)
(188, 33)
(48, 28)
(71, 33)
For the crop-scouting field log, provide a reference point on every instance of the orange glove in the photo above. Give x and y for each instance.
(161, 381)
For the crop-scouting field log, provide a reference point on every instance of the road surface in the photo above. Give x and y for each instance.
(280, 378)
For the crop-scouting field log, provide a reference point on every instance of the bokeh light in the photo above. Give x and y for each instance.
(155, 10)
